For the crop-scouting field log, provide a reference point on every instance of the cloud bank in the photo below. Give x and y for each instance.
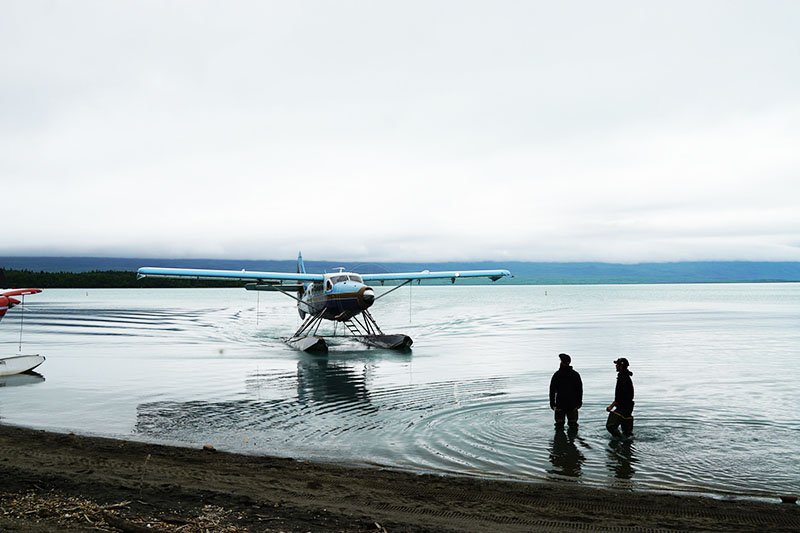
(419, 131)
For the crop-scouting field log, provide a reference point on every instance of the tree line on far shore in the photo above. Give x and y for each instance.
(99, 279)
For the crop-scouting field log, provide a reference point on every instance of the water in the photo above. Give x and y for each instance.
(715, 369)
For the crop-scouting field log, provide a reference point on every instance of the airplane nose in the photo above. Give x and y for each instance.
(369, 295)
(366, 296)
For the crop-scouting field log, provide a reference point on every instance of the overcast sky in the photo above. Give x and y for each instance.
(401, 131)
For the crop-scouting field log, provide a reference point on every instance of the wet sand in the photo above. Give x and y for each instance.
(59, 482)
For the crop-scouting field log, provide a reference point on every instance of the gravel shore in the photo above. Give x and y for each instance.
(64, 482)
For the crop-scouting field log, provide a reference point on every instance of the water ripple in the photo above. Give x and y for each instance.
(715, 373)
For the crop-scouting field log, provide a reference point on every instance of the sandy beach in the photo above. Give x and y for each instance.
(65, 482)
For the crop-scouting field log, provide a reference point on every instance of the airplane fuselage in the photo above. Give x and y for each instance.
(340, 296)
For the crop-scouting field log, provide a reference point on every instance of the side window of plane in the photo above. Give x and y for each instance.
(328, 285)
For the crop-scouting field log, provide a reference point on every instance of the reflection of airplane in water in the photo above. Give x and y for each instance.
(341, 297)
(325, 390)
(320, 380)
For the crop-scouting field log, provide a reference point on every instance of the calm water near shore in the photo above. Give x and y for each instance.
(716, 371)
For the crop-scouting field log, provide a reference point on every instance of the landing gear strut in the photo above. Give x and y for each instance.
(364, 330)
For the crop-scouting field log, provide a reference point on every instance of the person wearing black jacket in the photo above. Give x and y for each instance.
(566, 393)
(620, 412)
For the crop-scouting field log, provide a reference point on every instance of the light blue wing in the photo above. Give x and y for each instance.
(453, 275)
(248, 275)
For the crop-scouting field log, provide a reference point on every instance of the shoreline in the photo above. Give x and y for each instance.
(53, 481)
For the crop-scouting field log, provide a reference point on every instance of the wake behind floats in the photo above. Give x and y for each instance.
(339, 296)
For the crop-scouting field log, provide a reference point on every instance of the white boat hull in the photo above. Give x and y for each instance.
(19, 364)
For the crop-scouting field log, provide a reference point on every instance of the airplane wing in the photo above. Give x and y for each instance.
(18, 292)
(244, 275)
(453, 275)
(7, 302)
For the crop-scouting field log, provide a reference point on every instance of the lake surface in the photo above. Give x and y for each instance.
(716, 371)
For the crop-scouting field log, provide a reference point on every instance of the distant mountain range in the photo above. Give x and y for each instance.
(524, 272)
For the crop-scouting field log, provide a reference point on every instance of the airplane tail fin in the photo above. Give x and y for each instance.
(301, 269)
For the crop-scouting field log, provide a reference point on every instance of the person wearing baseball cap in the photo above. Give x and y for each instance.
(620, 412)
(566, 393)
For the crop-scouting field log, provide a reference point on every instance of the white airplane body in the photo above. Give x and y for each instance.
(340, 296)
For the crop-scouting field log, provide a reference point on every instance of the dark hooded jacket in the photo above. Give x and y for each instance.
(566, 389)
(623, 393)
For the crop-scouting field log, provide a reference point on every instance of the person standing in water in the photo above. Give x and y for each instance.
(566, 393)
(620, 412)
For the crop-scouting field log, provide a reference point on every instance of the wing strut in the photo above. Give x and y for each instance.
(394, 289)
(21, 320)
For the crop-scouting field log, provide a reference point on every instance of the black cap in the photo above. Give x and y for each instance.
(621, 361)
(565, 358)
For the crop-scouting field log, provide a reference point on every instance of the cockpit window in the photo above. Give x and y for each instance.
(356, 278)
(337, 279)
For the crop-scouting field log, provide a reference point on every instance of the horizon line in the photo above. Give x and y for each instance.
(638, 262)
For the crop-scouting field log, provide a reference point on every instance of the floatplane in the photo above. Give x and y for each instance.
(16, 364)
(339, 296)
(7, 300)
